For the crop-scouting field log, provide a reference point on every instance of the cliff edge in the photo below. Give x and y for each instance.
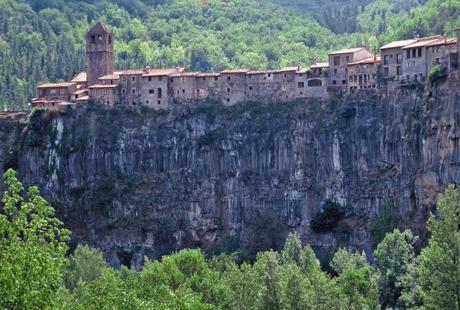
(137, 182)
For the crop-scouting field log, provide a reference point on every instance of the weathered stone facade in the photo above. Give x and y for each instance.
(99, 53)
(363, 74)
(338, 70)
(403, 63)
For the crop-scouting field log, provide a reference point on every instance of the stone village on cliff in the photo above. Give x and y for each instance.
(404, 63)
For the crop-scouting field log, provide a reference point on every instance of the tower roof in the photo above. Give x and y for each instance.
(98, 28)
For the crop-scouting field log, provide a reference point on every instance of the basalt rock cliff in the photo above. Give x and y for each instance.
(135, 183)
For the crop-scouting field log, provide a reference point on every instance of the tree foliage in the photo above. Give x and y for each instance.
(440, 260)
(32, 248)
(42, 41)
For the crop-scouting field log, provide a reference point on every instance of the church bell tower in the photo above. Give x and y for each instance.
(99, 53)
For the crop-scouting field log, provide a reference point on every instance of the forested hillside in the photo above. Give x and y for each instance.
(43, 40)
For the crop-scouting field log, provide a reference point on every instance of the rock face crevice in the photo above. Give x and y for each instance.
(137, 183)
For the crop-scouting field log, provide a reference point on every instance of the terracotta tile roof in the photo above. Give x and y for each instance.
(443, 41)
(81, 91)
(109, 77)
(103, 86)
(289, 69)
(55, 85)
(428, 41)
(256, 72)
(369, 60)
(397, 44)
(84, 98)
(99, 27)
(185, 74)
(319, 65)
(235, 71)
(347, 51)
(209, 74)
(159, 72)
(131, 72)
(79, 78)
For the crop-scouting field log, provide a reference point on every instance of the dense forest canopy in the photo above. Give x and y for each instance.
(43, 40)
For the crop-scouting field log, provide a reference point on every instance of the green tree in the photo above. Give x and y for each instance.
(85, 265)
(440, 260)
(32, 248)
(397, 268)
(357, 279)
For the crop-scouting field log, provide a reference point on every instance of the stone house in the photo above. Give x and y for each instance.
(418, 56)
(184, 86)
(232, 86)
(155, 87)
(392, 60)
(362, 74)
(338, 61)
(107, 94)
(207, 85)
(316, 80)
(130, 85)
(52, 94)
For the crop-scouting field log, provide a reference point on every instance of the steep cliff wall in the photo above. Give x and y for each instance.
(139, 182)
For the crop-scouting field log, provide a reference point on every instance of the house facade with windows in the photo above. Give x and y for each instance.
(338, 66)
(402, 63)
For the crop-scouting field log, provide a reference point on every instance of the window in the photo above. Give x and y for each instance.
(93, 39)
(350, 79)
(347, 58)
(178, 92)
(344, 81)
(335, 71)
(315, 83)
(301, 84)
(228, 90)
(146, 102)
(228, 100)
(269, 75)
(250, 87)
(337, 61)
(183, 91)
(398, 58)
(123, 91)
(159, 101)
(151, 91)
(355, 78)
(285, 75)
(386, 72)
(216, 78)
(408, 54)
(414, 53)
(385, 60)
(334, 82)
(398, 70)
(133, 78)
(160, 92)
(171, 80)
(228, 78)
(110, 39)
(160, 78)
(419, 52)
(150, 79)
(108, 102)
